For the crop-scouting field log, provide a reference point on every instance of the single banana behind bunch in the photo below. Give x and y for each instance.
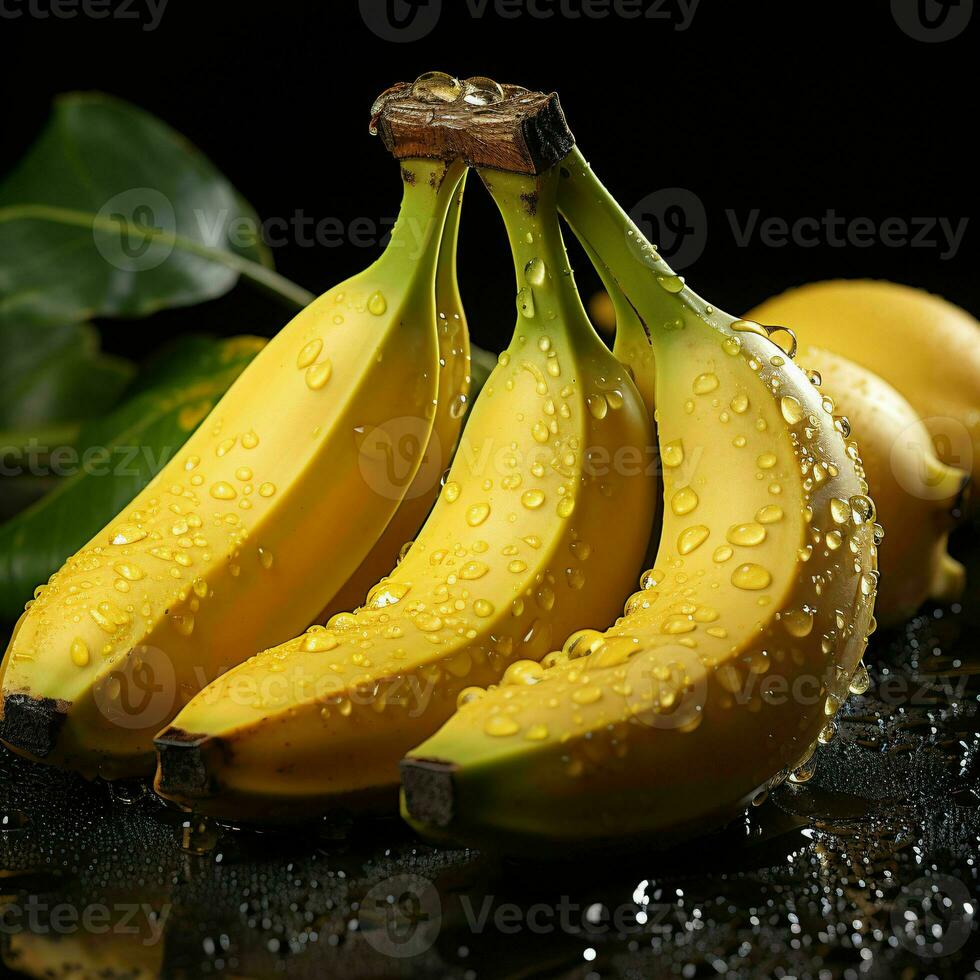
(731, 661)
(452, 401)
(924, 346)
(242, 538)
(918, 497)
(543, 520)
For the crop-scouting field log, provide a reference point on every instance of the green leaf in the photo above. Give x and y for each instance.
(112, 213)
(55, 377)
(482, 362)
(122, 452)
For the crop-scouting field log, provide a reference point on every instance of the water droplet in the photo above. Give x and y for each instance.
(766, 461)
(672, 453)
(770, 514)
(79, 652)
(377, 304)
(535, 273)
(480, 90)
(501, 725)
(320, 642)
(862, 509)
(522, 673)
(532, 499)
(705, 383)
(751, 577)
(267, 489)
(318, 375)
(691, 538)
(250, 440)
(798, 622)
(840, 510)
(451, 491)
(673, 284)
(746, 535)
(436, 86)
(740, 403)
(473, 570)
(223, 491)
(722, 554)
(861, 680)
(266, 558)
(309, 353)
(468, 695)
(525, 302)
(791, 408)
(597, 405)
(565, 507)
(477, 514)
(127, 534)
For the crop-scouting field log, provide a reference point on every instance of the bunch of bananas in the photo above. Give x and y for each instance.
(481, 667)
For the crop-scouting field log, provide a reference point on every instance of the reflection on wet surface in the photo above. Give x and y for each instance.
(867, 869)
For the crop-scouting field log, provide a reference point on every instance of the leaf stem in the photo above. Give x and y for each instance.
(259, 275)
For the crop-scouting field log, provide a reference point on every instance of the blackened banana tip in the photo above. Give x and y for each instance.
(430, 793)
(32, 724)
(183, 767)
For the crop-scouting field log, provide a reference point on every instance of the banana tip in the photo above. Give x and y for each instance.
(430, 795)
(31, 724)
(183, 768)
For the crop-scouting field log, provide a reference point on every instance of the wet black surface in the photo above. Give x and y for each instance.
(869, 869)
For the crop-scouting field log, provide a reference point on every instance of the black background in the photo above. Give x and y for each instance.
(789, 108)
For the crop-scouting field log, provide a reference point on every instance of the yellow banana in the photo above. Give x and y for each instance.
(544, 516)
(916, 495)
(450, 408)
(898, 332)
(242, 538)
(744, 638)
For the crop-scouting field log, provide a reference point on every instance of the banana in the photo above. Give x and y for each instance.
(922, 345)
(242, 538)
(544, 515)
(917, 496)
(732, 659)
(451, 404)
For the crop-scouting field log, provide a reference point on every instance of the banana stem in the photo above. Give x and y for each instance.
(446, 282)
(547, 298)
(606, 230)
(409, 262)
